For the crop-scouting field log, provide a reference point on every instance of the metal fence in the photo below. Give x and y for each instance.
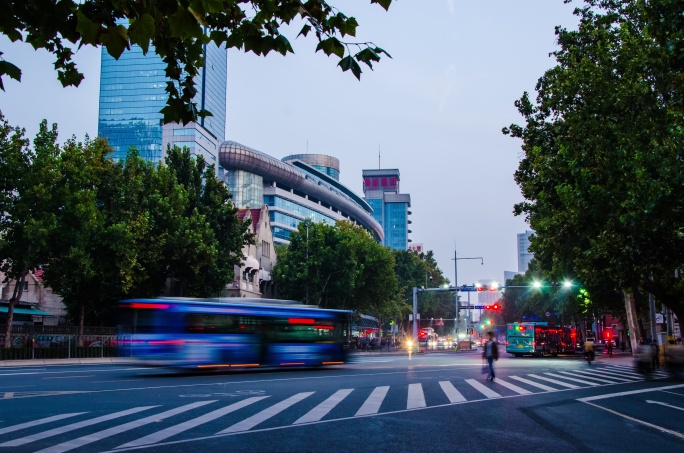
(58, 342)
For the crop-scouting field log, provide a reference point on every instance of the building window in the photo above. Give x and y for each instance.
(25, 286)
(265, 249)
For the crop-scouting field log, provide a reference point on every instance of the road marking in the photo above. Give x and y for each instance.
(583, 374)
(534, 384)
(8, 395)
(614, 375)
(42, 421)
(94, 437)
(451, 392)
(651, 425)
(513, 387)
(264, 415)
(630, 392)
(486, 391)
(65, 377)
(177, 429)
(326, 406)
(416, 397)
(622, 371)
(665, 404)
(72, 427)
(571, 379)
(555, 381)
(372, 404)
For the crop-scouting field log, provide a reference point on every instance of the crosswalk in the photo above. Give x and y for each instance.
(215, 417)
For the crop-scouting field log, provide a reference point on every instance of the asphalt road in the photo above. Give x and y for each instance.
(380, 403)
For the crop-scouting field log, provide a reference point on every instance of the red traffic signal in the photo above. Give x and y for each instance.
(496, 307)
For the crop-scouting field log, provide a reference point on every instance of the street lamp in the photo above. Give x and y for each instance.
(456, 258)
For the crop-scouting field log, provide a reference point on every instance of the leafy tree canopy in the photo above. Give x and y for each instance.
(602, 174)
(177, 31)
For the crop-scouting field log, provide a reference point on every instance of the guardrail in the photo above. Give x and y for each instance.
(45, 346)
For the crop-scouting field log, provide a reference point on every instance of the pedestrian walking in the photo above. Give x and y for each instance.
(655, 355)
(491, 354)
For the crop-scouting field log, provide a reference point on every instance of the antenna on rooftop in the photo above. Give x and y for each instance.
(379, 167)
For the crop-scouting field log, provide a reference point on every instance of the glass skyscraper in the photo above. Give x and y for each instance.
(390, 208)
(133, 92)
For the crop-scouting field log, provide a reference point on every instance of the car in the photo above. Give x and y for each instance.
(441, 344)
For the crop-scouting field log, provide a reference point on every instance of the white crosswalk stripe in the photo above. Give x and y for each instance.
(450, 391)
(453, 391)
(486, 391)
(182, 427)
(416, 397)
(513, 387)
(534, 384)
(581, 381)
(42, 421)
(585, 375)
(90, 438)
(72, 427)
(555, 381)
(372, 404)
(326, 406)
(611, 376)
(251, 422)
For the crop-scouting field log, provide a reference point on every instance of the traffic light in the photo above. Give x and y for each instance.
(495, 307)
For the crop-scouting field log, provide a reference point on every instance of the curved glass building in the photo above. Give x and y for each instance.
(301, 186)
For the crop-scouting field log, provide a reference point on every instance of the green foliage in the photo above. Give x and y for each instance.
(106, 230)
(602, 174)
(337, 266)
(178, 32)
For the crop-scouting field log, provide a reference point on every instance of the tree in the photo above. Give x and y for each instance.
(27, 182)
(339, 267)
(602, 174)
(177, 31)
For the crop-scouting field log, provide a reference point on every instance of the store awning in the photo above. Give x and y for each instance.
(264, 275)
(366, 322)
(26, 311)
(251, 262)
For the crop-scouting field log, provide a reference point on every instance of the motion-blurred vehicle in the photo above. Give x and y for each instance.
(671, 360)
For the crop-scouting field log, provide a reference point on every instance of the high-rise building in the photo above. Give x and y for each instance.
(296, 188)
(524, 254)
(390, 207)
(133, 92)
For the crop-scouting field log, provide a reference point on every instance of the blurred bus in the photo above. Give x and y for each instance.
(539, 339)
(231, 333)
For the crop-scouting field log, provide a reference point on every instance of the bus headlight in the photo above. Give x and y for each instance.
(409, 344)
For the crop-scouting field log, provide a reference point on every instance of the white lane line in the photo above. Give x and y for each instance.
(665, 404)
(597, 376)
(65, 377)
(326, 406)
(513, 387)
(583, 375)
(72, 427)
(372, 404)
(486, 391)
(555, 381)
(571, 379)
(42, 421)
(451, 392)
(630, 392)
(182, 427)
(416, 397)
(94, 437)
(534, 384)
(264, 415)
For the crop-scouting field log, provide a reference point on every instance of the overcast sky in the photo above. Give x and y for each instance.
(435, 111)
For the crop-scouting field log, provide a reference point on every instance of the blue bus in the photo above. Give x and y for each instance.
(231, 333)
(539, 339)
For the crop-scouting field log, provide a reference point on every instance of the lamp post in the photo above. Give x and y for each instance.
(456, 258)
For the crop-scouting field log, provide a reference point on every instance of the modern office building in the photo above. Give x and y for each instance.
(133, 92)
(524, 254)
(296, 188)
(390, 207)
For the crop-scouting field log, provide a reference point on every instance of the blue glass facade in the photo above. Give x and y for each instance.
(376, 204)
(395, 223)
(132, 94)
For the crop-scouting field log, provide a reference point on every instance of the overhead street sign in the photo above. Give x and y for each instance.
(465, 307)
